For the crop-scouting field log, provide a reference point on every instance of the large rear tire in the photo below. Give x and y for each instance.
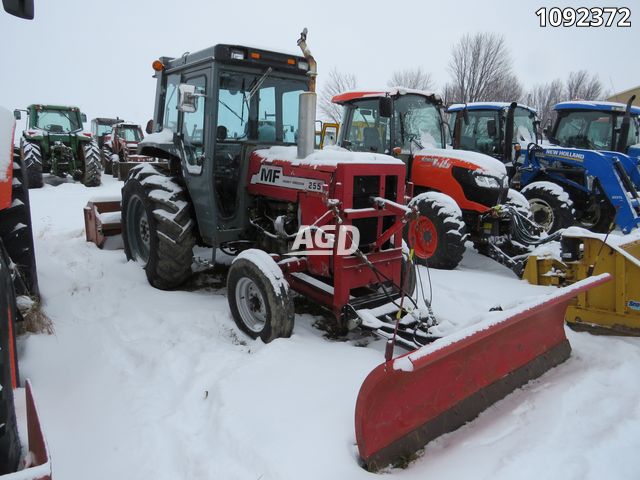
(106, 153)
(437, 236)
(158, 226)
(17, 235)
(32, 161)
(9, 439)
(259, 297)
(551, 206)
(92, 165)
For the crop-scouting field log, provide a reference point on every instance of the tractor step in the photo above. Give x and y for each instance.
(406, 402)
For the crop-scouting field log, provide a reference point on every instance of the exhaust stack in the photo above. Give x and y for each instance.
(307, 109)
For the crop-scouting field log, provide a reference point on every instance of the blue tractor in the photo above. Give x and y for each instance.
(586, 174)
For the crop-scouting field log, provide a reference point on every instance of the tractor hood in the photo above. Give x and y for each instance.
(634, 152)
(463, 158)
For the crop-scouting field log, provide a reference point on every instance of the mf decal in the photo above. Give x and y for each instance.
(272, 175)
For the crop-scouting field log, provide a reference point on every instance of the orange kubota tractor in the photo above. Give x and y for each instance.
(247, 181)
(461, 195)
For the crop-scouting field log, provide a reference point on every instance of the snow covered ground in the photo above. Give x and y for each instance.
(138, 383)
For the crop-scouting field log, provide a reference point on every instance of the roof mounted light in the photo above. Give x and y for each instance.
(157, 65)
(237, 55)
(303, 66)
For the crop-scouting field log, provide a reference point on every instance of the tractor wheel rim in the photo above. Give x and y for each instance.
(138, 224)
(423, 237)
(542, 213)
(251, 305)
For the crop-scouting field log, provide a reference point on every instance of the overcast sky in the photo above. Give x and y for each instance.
(98, 55)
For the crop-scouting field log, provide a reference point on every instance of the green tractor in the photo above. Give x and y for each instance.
(53, 142)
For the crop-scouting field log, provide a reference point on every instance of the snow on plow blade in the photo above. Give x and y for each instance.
(407, 402)
(39, 467)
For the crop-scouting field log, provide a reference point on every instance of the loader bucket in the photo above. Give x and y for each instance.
(40, 461)
(407, 402)
(102, 220)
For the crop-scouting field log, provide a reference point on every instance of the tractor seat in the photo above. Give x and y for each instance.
(55, 128)
(371, 139)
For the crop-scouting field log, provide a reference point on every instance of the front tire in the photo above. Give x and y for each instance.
(158, 227)
(105, 157)
(437, 236)
(92, 165)
(259, 297)
(551, 206)
(32, 161)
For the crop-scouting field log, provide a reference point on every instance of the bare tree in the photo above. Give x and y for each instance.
(543, 97)
(580, 85)
(481, 70)
(414, 78)
(337, 82)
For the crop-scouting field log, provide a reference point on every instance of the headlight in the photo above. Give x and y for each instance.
(486, 181)
(303, 66)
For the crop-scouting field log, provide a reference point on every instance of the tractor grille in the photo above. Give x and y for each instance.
(489, 197)
(365, 188)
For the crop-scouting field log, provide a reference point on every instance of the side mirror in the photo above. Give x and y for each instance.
(385, 107)
(149, 127)
(491, 128)
(19, 8)
(83, 117)
(188, 98)
(17, 114)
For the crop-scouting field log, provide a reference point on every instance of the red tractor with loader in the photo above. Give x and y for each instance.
(235, 126)
(461, 195)
(120, 149)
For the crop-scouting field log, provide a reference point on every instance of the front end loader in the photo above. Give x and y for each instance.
(54, 143)
(325, 224)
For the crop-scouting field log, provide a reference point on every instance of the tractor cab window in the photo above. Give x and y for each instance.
(258, 107)
(170, 117)
(58, 121)
(193, 124)
(367, 131)
(417, 123)
(130, 134)
(524, 131)
(482, 133)
(584, 129)
(103, 130)
(632, 138)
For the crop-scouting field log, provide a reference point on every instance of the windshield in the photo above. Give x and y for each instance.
(417, 123)
(524, 130)
(367, 130)
(482, 133)
(258, 106)
(130, 134)
(103, 130)
(58, 121)
(592, 130)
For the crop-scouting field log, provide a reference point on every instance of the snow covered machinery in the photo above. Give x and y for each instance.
(587, 175)
(461, 195)
(54, 143)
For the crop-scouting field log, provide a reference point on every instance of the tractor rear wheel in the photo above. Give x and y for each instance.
(158, 227)
(551, 206)
(259, 297)
(106, 153)
(437, 236)
(32, 161)
(9, 439)
(92, 166)
(17, 236)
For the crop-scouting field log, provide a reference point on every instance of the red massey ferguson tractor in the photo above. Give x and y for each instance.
(120, 149)
(461, 195)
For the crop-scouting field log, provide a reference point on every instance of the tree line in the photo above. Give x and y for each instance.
(480, 69)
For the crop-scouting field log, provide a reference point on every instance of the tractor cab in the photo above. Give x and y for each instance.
(499, 129)
(101, 127)
(213, 109)
(595, 126)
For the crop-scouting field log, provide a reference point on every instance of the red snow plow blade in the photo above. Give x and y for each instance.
(405, 403)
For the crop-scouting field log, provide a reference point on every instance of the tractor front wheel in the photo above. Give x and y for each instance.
(92, 165)
(32, 160)
(437, 236)
(105, 157)
(259, 297)
(158, 227)
(551, 206)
